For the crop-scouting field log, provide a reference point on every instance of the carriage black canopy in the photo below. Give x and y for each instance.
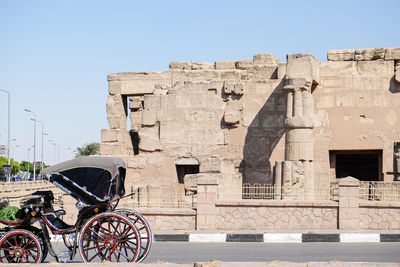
(91, 180)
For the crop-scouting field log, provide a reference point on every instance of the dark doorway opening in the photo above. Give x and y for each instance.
(365, 165)
(135, 141)
(182, 170)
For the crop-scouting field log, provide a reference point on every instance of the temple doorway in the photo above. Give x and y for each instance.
(365, 165)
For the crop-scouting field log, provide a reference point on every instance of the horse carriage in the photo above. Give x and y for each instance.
(101, 232)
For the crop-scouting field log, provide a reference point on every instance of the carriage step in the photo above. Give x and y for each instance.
(64, 256)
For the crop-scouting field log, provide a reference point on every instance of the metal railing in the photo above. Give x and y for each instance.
(273, 192)
(380, 191)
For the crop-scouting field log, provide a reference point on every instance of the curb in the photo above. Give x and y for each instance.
(278, 238)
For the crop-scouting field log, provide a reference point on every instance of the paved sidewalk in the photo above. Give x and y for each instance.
(276, 236)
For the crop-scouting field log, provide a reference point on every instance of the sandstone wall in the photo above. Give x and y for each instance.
(236, 110)
(230, 109)
(271, 215)
(357, 106)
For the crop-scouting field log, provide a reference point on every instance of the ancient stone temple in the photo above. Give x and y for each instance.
(301, 123)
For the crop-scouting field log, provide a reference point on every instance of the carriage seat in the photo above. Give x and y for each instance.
(54, 218)
(60, 224)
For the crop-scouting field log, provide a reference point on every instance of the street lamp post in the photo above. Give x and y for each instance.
(34, 144)
(42, 123)
(8, 145)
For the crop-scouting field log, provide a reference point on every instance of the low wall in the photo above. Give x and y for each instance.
(379, 215)
(279, 214)
(169, 219)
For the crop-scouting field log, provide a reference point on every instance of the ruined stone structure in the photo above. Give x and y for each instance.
(301, 123)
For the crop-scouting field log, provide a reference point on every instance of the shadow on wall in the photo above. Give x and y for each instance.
(394, 86)
(263, 135)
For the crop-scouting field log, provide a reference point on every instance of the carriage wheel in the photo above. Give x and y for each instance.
(111, 237)
(144, 231)
(20, 246)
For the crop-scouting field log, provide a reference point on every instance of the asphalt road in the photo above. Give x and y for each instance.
(185, 252)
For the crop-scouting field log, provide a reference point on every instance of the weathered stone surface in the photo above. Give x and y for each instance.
(232, 117)
(177, 65)
(210, 165)
(117, 122)
(135, 103)
(262, 72)
(149, 117)
(244, 64)
(392, 53)
(137, 83)
(190, 184)
(225, 65)
(114, 87)
(136, 120)
(397, 73)
(232, 112)
(137, 162)
(233, 87)
(109, 135)
(187, 161)
(110, 149)
(369, 54)
(341, 55)
(303, 66)
(265, 59)
(199, 65)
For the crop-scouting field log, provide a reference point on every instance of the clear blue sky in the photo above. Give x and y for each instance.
(55, 55)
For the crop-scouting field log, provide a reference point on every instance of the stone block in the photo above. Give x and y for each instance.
(262, 72)
(149, 117)
(375, 68)
(341, 55)
(233, 87)
(108, 149)
(149, 145)
(137, 162)
(244, 64)
(369, 54)
(210, 165)
(138, 87)
(136, 120)
(135, 103)
(177, 65)
(265, 59)
(114, 87)
(117, 122)
(232, 117)
(392, 53)
(109, 135)
(190, 183)
(152, 102)
(115, 105)
(225, 65)
(199, 65)
(304, 66)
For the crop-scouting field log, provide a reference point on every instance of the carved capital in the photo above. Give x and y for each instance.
(297, 84)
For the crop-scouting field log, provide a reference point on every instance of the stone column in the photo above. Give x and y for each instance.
(299, 140)
(302, 76)
(206, 198)
(349, 213)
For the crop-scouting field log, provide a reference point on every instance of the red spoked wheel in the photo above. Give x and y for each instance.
(144, 230)
(111, 237)
(20, 246)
